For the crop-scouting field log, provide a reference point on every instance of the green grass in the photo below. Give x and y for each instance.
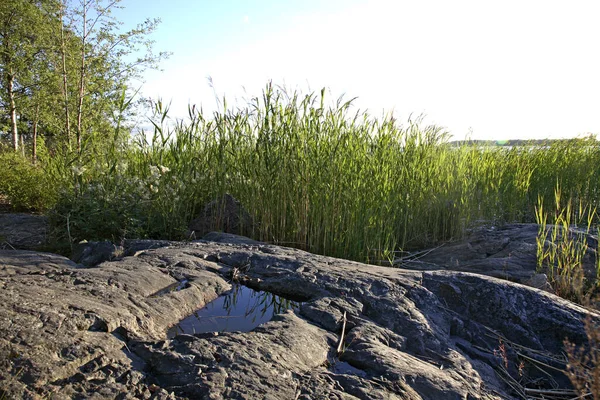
(563, 245)
(313, 174)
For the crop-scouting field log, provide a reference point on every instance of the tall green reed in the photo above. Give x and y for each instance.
(318, 175)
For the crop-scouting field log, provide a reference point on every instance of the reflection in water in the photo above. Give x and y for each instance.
(242, 309)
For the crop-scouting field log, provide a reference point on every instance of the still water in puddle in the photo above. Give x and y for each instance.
(343, 368)
(242, 309)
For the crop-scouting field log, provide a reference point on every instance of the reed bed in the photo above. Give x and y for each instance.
(316, 175)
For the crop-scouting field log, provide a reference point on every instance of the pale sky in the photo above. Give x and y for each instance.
(499, 69)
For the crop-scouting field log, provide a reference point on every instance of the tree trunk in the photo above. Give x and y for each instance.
(65, 87)
(81, 78)
(13, 111)
(22, 139)
(34, 134)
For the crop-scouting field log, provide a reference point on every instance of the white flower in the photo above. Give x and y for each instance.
(78, 170)
(154, 170)
(163, 169)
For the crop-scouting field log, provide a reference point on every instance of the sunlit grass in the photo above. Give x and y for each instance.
(563, 245)
(314, 175)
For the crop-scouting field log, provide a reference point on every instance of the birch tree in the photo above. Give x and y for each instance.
(22, 42)
(106, 59)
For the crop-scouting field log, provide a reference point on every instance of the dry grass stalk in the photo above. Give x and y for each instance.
(584, 362)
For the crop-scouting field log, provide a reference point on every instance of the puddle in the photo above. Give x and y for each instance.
(240, 310)
(343, 368)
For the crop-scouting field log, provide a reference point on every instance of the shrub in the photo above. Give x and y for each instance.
(110, 203)
(26, 186)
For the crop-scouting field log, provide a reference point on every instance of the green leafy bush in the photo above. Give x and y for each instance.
(26, 186)
(113, 201)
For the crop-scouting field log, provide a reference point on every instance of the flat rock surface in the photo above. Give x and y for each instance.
(68, 331)
(23, 231)
(507, 252)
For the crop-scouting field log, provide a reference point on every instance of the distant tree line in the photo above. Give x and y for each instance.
(516, 142)
(66, 71)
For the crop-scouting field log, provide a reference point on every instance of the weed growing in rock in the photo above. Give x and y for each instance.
(563, 246)
(561, 252)
(584, 363)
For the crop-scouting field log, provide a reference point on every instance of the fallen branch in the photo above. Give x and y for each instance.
(9, 245)
(414, 257)
(341, 343)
